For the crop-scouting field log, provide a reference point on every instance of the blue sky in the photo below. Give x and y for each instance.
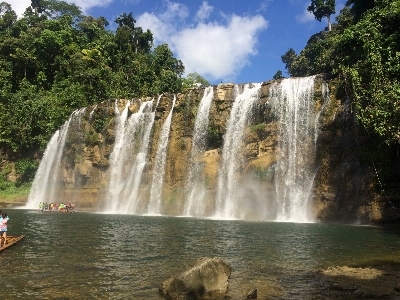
(222, 40)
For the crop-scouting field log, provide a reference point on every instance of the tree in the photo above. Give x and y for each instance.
(126, 20)
(358, 7)
(288, 59)
(194, 79)
(278, 75)
(7, 16)
(321, 9)
(37, 5)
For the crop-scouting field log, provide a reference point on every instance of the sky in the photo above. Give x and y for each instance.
(222, 40)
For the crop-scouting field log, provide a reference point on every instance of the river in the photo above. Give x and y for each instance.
(100, 256)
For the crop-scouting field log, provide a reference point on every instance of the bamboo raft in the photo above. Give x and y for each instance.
(11, 240)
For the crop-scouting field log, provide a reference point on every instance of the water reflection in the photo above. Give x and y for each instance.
(98, 256)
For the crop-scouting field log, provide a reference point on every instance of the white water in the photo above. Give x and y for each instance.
(92, 113)
(194, 188)
(154, 207)
(116, 165)
(140, 126)
(47, 178)
(227, 200)
(128, 158)
(294, 172)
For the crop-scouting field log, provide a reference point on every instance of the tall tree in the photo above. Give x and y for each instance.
(358, 7)
(7, 16)
(288, 59)
(278, 75)
(321, 9)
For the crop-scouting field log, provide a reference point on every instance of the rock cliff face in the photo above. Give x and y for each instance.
(342, 189)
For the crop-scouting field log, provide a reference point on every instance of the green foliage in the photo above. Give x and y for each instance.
(93, 138)
(288, 58)
(54, 60)
(26, 169)
(100, 123)
(278, 75)
(322, 9)
(214, 139)
(193, 80)
(11, 190)
(363, 51)
(258, 128)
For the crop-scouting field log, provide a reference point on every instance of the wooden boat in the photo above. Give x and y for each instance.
(11, 240)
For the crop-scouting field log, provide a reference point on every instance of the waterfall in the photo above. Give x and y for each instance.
(128, 158)
(138, 137)
(293, 100)
(154, 206)
(47, 179)
(194, 188)
(92, 113)
(116, 164)
(227, 202)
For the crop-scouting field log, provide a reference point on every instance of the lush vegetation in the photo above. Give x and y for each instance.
(55, 60)
(363, 51)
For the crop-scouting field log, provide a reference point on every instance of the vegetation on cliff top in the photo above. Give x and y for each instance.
(363, 51)
(54, 60)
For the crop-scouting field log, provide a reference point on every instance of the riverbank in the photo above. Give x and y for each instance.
(13, 202)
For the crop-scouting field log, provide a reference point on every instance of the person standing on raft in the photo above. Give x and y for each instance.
(3, 228)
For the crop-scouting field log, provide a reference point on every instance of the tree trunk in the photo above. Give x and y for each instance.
(329, 23)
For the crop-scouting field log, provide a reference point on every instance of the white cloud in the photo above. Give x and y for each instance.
(204, 11)
(305, 16)
(19, 6)
(175, 12)
(219, 51)
(87, 4)
(162, 31)
(215, 50)
(263, 6)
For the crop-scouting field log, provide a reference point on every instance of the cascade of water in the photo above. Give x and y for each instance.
(92, 112)
(116, 164)
(47, 178)
(194, 188)
(154, 206)
(137, 139)
(227, 202)
(294, 172)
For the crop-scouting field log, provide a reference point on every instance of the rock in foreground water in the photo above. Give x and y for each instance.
(205, 277)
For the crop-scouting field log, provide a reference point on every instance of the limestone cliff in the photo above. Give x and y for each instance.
(343, 188)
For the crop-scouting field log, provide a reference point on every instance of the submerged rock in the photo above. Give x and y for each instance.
(205, 277)
(378, 281)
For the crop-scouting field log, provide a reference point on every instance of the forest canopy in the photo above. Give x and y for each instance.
(363, 51)
(54, 60)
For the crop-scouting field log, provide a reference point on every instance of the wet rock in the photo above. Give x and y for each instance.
(372, 282)
(204, 278)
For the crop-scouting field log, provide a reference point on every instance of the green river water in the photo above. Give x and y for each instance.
(99, 256)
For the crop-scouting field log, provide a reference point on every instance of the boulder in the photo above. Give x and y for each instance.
(205, 277)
